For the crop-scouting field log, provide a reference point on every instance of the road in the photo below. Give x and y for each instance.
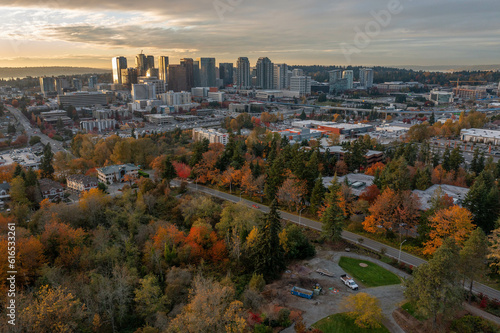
(30, 131)
(349, 236)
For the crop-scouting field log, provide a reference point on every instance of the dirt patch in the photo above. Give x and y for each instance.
(362, 264)
(407, 322)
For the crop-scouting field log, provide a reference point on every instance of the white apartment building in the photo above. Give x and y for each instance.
(143, 91)
(116, 173)
(212, 135)
(176, 98)
(302, 84)
(98, 125)
(349, 75)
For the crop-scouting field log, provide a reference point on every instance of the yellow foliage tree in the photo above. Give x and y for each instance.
(364, 309)
(455, 222)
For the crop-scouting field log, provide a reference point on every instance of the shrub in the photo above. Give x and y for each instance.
(471, 324)
(257, 282)
(284, 318)
(484, 303)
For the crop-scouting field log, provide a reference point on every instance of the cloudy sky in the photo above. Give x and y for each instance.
(326, 32)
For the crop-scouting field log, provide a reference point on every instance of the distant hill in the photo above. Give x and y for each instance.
(454, 68)
(21, 72)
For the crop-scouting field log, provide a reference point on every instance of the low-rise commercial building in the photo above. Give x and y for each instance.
(82, 99)
(116, 173)
(481, 136)
(98, 125)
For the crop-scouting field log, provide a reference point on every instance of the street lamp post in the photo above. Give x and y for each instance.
(400, 247)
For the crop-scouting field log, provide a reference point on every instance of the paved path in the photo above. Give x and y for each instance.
(352, 237)
(480, 313)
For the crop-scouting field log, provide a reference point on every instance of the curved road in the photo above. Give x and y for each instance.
(352, 237)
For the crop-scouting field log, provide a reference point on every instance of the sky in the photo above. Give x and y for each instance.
(297, 32)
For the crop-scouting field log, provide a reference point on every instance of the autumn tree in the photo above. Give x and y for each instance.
(435, 288)
(92, 204)
(148, 297)
(212, 308)
(364, 309)
(393, 211)
(454, 222)
(292, 192)
(53, 310)
(494, 250)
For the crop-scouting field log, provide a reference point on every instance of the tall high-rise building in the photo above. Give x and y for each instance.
(302, 84)
(226, 73)
(163, 68)
(150, 62)
(207, 72)
(281, 77)
(118, 64)
(349, 75)
(129, 77)
(141, 63)
(265, 73)
(196, 73)
(47, 85)
(366, 77)
(243, 73)
(77, 84)
(177, 78)
(337, 83)
(188, 63)
(93, 82)
(298, 72)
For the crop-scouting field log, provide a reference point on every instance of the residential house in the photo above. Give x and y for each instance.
(116, 173)
(51, 190)
(81, 183)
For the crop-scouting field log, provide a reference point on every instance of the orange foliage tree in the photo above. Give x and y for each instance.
(455, 222)
(392, 211)
(370, 194)
(373, 169)
(292, 192)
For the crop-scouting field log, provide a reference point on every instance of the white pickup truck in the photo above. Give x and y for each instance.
(349, 282)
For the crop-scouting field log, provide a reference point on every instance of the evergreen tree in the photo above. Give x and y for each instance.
(475, 161)
(317, 195)
(435, 287)
(199, 148)
(456, 159)
(333, 217)
(269, 255)
(18, 171)
(274, 178)
(31, 178)
(435, 159)
(483, 201)
(46, 168)
(423, 179)
(303, 115)
(446, 159)
(355, 154)
(432, 120)
(472, 257)
(169, 173)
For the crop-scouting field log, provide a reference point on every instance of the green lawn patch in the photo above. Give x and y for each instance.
(410, 308)
(340, 323)
(371, 276)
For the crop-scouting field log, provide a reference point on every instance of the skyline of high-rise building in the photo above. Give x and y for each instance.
(163, 68)
(118, 64)
(349, 76)
(281, 76)
(141, 63)
(207, 72)
(226, 73)
(243, 73)
(265, 73)
(366, 77)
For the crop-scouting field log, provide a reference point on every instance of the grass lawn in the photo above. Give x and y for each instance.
(371, 276)
(340, 323)
(410, 308)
